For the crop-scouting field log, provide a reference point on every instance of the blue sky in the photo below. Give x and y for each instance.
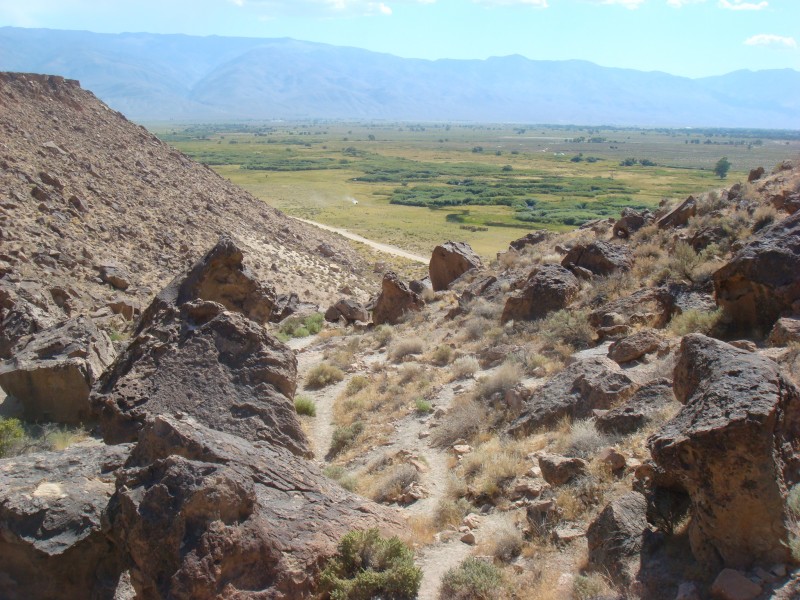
(694, 38)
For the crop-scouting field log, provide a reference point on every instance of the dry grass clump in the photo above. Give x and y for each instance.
(764, 216)
(592, 585)
(464, 367)
(507, 542)
(449, 513)
(579, 439)
(342, 477)
(475, 328)
(410, 372)
(304, 405)
(491, 466)
(568, 327)
(323, 375)
(356, 384)
(406, 347)
(695, 321)
(610, 287)
(442, 355)
(392, 482)
(487, 310)
(462, 422)
(503, 379)
(344, 355)
(344, 436)
(580, 497)
(473, 579)
(382, 335)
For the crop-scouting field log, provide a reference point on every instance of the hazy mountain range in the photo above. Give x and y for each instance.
(152, 77)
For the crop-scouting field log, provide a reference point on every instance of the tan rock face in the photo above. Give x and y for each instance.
(52, 372)
(762, 281)
(731, 448)
(394, 301)
(450, 261)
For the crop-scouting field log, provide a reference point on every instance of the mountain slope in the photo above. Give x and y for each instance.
(161, 77)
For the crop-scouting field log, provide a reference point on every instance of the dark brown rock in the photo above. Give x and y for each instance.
(352, 311)
(394, 301)
(639, 410)
(585, 385)
(601, 258)
(418, 286)
(450, 261)
(53, 544)
(558, 470)
(201, 360)
(762, 281)
(635, 346)
(531, 239)
(25, 308)
(679, 217)
(203, 514)
(755, 174)
(115, 275)
(630, 222)
(52, 372)
(736, 401)
(647, 307)
(547, 289)
(615, 537)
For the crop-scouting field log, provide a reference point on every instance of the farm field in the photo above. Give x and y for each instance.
(414, 186)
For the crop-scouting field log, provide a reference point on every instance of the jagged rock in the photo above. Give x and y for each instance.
(326, 250)
(786, 331)
(631, 222)
(220, 276)
(115, 275)
(762, 281)
(558, 470)
(127, 308)
(201, 360)
(733, 585)
(614, 460)
(755, 174)
(418, 286)
(601, 258)
(350, 310)
(25, 308)
(52, 372)
(647, 307)
(203, 514)
(679, 217)
(531, 239)
(450, 261)
(635, 346)
(639, 410)
(585, 385)
(682, 298)
(394, 301)
(615, 537)
(52, 543)
(736, 401)
(285, 306)
(548, 288)
(713, 234)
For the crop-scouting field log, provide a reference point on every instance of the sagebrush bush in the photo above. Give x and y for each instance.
(355, 385)
(449, 513)
(396, 479)
(11, 434)
(406, 347)
(583, 440)
(383, 334)
(507, 543)
(570, 327)
(369, 566)
(345, 436)
(764, 216)
(476, 327)
(463, 421)
(295, 327)
(695, 321)
(341, 476)
(304, 405)
(442, 355)
(323, 375)
(503, 379)
(473, 579)
(423, 406)
(464, 367)
(586, 587)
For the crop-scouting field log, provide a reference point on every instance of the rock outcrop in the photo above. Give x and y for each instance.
(52, 372)
(638, 410)
(636, 346)
(679, 216)
(736, 401)
(347, 309)
(630, 222)
(601, 258)
(53, 542)
(394, 301)
(26, 307)
(785, 331)
(762, 281)
(203, 514)
(615, 537)
(548, 288)
(531, 239)
(646, 307)
(450, 261)
(585, 385)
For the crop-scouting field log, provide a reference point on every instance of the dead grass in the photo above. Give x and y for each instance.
(462, 422)
(505, 378)
(492, 466)
(464, 367)
(442, 355)
(405, 348)
(322, 376)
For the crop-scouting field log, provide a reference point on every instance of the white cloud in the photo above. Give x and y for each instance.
(743, 5)
(769, 39)
(534, 3)
(630, 4)
(682, 3)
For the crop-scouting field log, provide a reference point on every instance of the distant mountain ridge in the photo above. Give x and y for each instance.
(151, 77)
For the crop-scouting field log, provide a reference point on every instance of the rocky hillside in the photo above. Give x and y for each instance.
(98, 215)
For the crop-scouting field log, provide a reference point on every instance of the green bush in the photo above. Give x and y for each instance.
(344, 436)
(356, 384)
(567, 326)
(341, 476)
(298, 328)
(369, 566)
(305, 406)
(11, 433)
(442, 355)
(323, 375)
(423, 406)
(473, 579)
(695, 321)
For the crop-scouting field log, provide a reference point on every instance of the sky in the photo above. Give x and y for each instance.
(693, 38)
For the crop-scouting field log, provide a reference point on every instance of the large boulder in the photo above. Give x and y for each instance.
(200, 360)
(786, 331)
(585, 385)
(762, 281)
(615, 537)
(636, 346)
(347, 309)
(548, 288)
(601, 258)
(26, 307)
(630, 222)
(52, 542)
(202, 514)
(639, 410)
(52, 372)
(647, 307)
(394, 301)
(558, 470)
(531, 239)
(731, 448)
(679, 216)
(450, 261)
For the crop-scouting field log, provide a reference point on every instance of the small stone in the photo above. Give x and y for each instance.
(423, 434)
(613, 459)
(462, 449)
(471, 520)
(765, 575)
(733, 585)
(567, 534)
(468, 538)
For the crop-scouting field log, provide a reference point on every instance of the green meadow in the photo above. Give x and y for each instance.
(417, 185)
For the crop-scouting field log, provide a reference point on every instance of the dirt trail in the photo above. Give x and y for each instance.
(387, 248)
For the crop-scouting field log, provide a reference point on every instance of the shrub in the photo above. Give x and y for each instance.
(59, 438)
(383, 334)
(423, 406)
(585, 587)
(763, 217)
(464, 367)
(368, 566)
(305, 406)
(355, 385)
(344, 436)
(396, 480)
(507, 543)
(499, 382)
(323, 375)
(442, 355)
(11, 433)
(341, 476)
(683, 261)
(583, 440)
(406, 347)
(695, 321)
(473, 579)
(462, 422)
(450, 512)
(569, 327)
(476, 327)
(295, 328)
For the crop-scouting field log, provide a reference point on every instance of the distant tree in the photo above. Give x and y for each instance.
(371, 137)
(722, 167)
